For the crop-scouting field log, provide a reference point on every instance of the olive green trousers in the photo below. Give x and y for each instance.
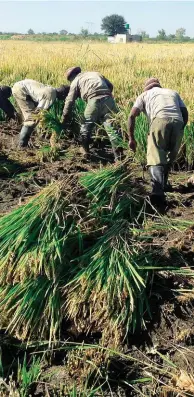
(164, 141)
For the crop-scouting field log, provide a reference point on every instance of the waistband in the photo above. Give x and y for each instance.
(100, 96)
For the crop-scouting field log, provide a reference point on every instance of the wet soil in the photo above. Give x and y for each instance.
(165, 350)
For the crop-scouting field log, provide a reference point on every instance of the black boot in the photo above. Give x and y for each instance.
(25, 134)
(86, 132)
(85, 150)
(167, 185)
(157, 181)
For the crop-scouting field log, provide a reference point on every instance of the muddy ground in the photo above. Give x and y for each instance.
(165, 350)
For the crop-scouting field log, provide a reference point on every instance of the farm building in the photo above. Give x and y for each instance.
(124, 38)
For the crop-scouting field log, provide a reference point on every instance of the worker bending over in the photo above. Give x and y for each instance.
(96, 90)
(32, 96)
(5, 104)
(167, 115)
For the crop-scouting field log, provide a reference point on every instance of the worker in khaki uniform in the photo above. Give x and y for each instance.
(32, 96)
(96, 90)
(167, 115)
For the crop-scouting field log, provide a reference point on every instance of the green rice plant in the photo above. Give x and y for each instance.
(141, 132)
(109, 292)
(27, 375)
(49, 122)
(78, 111)
(188, 141)
(48, 153)
(33, 307)
(41, 236)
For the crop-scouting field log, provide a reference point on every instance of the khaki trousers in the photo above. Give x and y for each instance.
(25, 104)
(101, 111)
(164, 140)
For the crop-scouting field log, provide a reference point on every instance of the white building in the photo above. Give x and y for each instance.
(124, 38)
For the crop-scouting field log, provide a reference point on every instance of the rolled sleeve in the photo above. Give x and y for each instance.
(181, 103)
(72, 96)
(139, 103)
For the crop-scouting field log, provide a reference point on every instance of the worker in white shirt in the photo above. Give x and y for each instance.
(167, 115)
(32, 96)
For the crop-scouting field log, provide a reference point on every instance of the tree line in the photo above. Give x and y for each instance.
(110, 26)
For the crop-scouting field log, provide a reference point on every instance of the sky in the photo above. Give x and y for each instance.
(53, 16)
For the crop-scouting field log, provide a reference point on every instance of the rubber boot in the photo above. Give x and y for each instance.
(25, 134)
(157, 181)
(85, 150)
(167, 185)
(86, 132)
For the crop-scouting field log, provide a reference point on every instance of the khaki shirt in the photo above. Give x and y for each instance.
(87, 85)
(42, 94)
(160, 102)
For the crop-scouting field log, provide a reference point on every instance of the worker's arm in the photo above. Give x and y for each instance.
(109, 84)
(185, 115)
(8, 108)
(72, 96)
(135, 112)
(183, 110)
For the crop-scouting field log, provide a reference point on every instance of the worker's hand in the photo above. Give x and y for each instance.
(63, 124)
(65, 121)
(133, 144)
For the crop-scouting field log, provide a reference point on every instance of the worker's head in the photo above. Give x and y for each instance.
(5, 91)
(72, 73)
(62, 92)
(151, 83)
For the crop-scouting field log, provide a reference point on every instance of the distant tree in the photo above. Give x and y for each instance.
(63, 32)
(180, 33)
(186, 38)
(171, 37)
(113, 24)
(30, 31)
(161, 35)
(144, 34)
(84, 32)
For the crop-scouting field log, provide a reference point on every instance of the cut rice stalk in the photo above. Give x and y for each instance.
(42, 236)
(109, 293)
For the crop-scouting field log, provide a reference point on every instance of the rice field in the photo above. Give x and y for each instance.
(97, 290)
(127, 66)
